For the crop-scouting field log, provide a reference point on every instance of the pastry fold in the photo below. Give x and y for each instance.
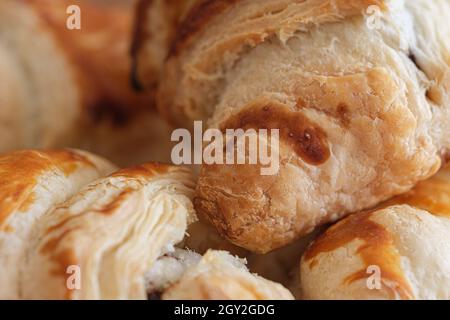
(65, 87)
(111, 232)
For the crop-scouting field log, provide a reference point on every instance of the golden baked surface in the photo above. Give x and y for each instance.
(220, 276)
(358, 209)
(71, 228)
(362, 111)
(408, 246)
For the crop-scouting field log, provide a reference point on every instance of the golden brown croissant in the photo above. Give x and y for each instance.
(32, 183)
(65, 236)
(399, 252)
(361, 102)
(220, 276)
(64, 87)
(67, 231)
(155, 29)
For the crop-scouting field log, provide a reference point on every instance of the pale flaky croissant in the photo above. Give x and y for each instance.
(32, 183)
(64, 87)
(358, 89)
(71, 229)
(401, 251)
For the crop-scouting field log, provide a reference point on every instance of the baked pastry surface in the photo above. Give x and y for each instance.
(72, 230)
(401, 247)
(362, 109)
(113, 230)
(156, 23)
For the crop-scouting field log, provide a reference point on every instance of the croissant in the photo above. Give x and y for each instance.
(155, 28)
(64, 236)
(72, 229)
(32, 182)
(62, 87)
(359, 91)
(400, 251)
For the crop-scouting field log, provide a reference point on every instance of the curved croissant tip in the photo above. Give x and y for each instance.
(341, 263)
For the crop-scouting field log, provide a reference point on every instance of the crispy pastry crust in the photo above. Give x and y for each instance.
(408, 246)
(432, 195)
(362, 110)
(112, 231)
(65, 236)
(66, 87)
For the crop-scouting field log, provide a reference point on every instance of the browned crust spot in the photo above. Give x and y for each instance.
(68, 160)
(377, 249)
(305, 137)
